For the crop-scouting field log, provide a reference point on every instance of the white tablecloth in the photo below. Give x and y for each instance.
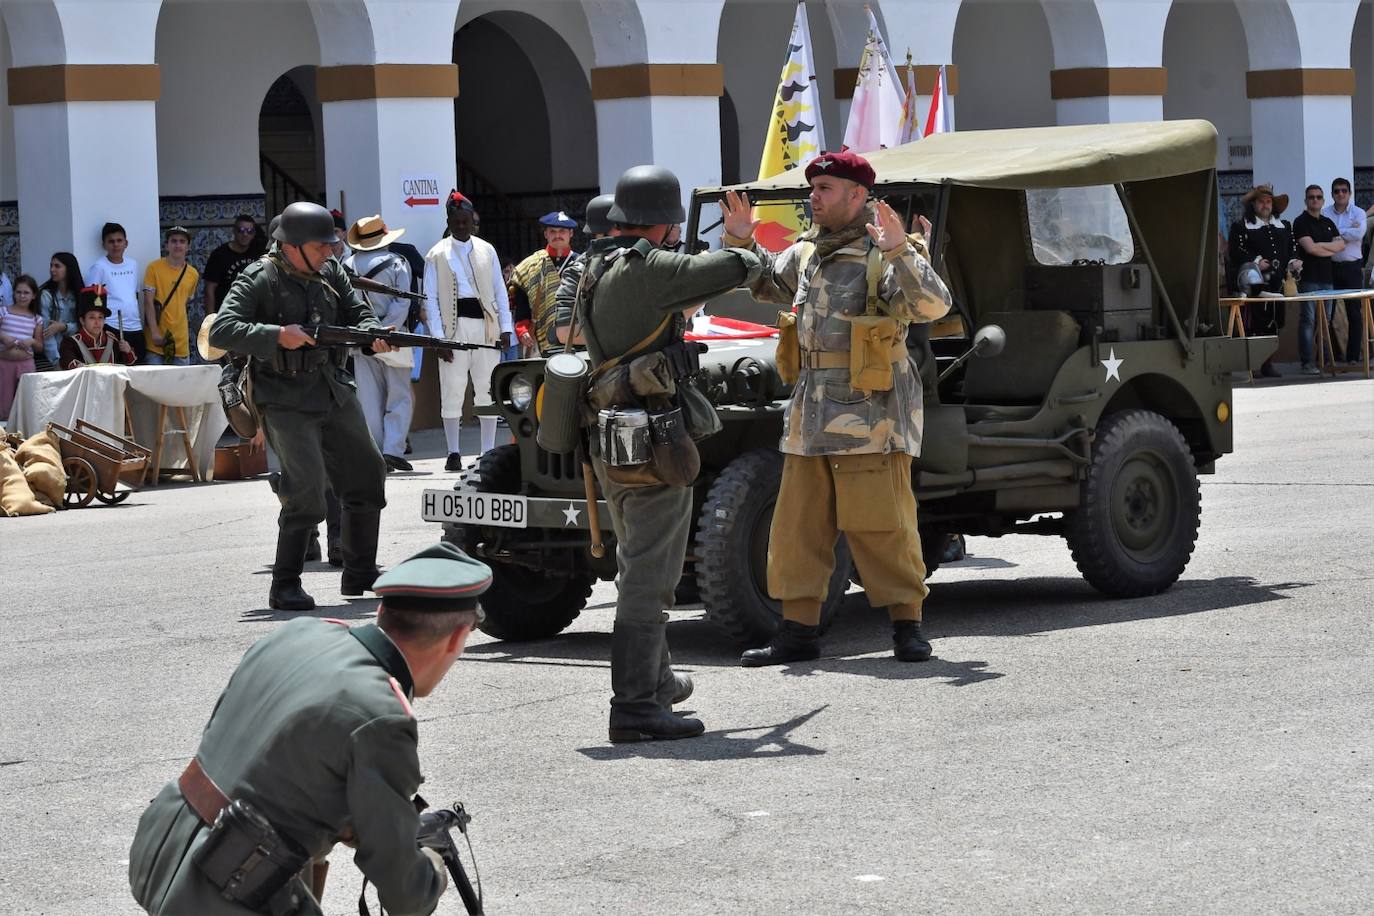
(96, 394)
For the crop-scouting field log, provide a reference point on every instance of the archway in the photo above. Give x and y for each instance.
(1004, 54)
(525, 124)
(1362, 59)
(1206, 57)
(291, 156)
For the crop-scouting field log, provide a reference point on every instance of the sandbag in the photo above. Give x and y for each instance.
(43, 447)
(41, 458)
(15, 496)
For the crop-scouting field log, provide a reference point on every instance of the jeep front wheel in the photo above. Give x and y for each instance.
(732, 551)
(1134, 532)
(522, 604)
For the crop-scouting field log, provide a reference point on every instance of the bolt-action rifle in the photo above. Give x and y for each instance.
(328, 335)
(435, 832)
(368, 285)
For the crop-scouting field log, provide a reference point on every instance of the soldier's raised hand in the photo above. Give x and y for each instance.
(888, 233)
(738, 215)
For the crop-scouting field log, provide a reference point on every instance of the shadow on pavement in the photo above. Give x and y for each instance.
(355, 609)
(975, 607)
(757, 742)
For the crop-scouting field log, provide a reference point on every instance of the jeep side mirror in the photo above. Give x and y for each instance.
(990, 340)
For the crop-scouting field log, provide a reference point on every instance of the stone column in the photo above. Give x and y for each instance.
(389, 143)
(85, 139)
(661, 114)
(1301, 123)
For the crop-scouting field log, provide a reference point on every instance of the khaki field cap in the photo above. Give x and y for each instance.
(371, 233)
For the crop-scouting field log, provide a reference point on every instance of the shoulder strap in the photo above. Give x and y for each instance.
(381, 265)
(874, 260)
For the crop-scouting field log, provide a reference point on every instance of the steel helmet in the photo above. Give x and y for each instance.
(647, 195)
(597, 222)
(304, 222)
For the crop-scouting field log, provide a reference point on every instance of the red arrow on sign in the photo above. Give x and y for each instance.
(422, 201)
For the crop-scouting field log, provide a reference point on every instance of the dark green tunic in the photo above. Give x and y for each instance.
(312, 731)
(313, 420)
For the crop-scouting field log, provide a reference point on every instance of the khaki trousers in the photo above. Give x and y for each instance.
(868, 498)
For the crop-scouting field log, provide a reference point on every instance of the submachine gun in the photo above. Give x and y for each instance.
(436, 832)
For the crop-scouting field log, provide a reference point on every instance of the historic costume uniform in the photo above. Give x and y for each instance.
(636, 305)
(534, 283)
(315, 733)
(308, 404)
(384, 387)
(848, 450)
(465, 300)
(1251, 239)
(81, 349)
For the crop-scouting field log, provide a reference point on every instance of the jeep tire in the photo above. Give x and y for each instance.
(1135, 528)
(522, 604)
(732, 551)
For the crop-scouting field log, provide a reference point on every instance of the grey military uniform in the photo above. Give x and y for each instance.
(315, 731)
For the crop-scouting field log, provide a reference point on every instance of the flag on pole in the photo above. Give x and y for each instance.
(795, 134)
(910, 128)
(875, 114)
(939, 120)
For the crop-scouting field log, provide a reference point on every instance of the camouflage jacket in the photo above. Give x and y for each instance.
(825, 415)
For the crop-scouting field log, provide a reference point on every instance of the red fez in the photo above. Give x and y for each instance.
(842, 165)
(456, 201)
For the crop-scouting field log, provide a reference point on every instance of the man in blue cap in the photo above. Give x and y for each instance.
(534, 282)
(313, 741)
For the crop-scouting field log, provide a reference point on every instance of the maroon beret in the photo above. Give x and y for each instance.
(842, 165)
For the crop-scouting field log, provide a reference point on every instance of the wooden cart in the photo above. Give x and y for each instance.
(96, 460)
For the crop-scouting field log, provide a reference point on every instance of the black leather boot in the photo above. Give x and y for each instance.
(673, 688)
(794, 642)
(636, 667)
(286, 593)
(358, 542)
(908, 642)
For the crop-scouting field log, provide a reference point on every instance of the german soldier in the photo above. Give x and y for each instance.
(638, 303)
(848, 442)
(315, 737)
(306, 398)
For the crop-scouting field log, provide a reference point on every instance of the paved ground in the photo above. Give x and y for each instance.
(1208, 750)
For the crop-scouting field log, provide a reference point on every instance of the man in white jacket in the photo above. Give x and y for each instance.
(384, 378)
(465, 300)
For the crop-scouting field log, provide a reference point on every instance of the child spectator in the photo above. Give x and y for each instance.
(120, 278)
(168, 286)
(93, 343)
(21, 336)
(57, 303)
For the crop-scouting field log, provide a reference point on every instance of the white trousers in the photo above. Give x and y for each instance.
(474, 364)
(385, 396)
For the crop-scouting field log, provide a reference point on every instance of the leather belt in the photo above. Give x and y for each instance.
(839, 359)
(201, 793)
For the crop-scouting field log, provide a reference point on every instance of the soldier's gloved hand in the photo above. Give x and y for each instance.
(438, 862)
(293, 337)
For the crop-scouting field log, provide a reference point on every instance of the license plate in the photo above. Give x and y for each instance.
(468, 507)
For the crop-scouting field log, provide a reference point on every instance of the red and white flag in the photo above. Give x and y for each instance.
(940, 120)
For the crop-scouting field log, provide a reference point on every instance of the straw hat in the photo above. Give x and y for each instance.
(370, 233)
(1260, 190)
(208, 353)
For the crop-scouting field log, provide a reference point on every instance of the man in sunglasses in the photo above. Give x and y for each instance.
(1318, 240)
(1347, 266)
(246, 244)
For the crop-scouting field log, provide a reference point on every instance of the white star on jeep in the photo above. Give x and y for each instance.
(570, 515)
(1113, 366)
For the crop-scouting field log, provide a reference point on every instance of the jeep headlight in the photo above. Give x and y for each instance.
(521, 393)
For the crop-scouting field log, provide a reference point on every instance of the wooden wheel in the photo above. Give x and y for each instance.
(113, 499)
(81, 483)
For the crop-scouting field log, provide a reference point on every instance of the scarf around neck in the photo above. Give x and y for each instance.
(829, 242)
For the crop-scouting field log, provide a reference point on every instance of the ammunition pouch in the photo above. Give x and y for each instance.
(248, 861)
(875, 343)
(293, 363)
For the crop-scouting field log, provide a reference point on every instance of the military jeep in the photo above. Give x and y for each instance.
(1092, 251)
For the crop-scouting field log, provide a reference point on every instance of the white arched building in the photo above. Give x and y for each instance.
(153, 112)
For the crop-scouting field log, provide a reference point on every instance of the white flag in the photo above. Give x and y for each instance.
(910, 128)
(875, 115)
(940, 120)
